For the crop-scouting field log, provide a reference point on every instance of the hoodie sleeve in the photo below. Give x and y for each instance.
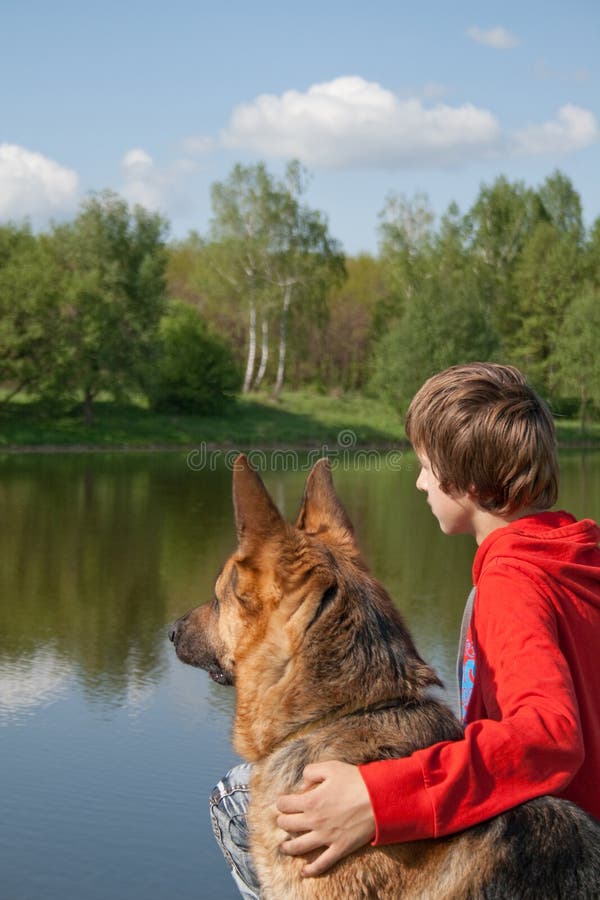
(530, 743)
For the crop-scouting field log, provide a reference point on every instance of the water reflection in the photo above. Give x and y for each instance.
(81, 549)
(99, 552)
(31, 681)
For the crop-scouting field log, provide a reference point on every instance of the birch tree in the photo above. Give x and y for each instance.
(306, 260)
(273, 251)
(240, 230)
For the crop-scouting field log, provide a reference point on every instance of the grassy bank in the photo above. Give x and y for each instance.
(298, 419)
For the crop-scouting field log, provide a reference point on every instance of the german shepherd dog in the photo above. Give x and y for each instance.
(325, 669)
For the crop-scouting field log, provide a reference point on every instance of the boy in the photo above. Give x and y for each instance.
(531, 635)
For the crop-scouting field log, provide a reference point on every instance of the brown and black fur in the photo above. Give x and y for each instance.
(325, 669)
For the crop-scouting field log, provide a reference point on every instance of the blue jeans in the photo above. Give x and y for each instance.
(228, 810)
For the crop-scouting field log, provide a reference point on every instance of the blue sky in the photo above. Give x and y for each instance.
(159, 100)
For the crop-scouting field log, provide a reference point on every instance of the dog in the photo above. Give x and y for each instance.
(325, 669)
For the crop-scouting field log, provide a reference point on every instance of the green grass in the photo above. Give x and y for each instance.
(300, 418)
(570, 433)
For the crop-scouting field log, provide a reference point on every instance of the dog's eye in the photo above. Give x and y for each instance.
(244, 601)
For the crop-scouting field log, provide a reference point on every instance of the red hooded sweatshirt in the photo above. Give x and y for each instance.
(533, 717)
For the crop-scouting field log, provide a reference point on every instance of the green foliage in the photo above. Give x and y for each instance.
(30, 292)
(444, 324)
(442, 317)
(405, 240)
(562, 205)
(576, 362)
(273, 253)
(339, 349)
(195, 370)
(547, 278)
(114, 262)
(516, 277)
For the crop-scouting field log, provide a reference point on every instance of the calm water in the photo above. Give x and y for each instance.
(108, 745)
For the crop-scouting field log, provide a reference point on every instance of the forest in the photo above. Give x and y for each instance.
(106, 305)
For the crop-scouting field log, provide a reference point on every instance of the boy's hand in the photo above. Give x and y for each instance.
(334, 812)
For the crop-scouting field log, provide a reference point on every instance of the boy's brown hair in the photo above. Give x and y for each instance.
(484, 430)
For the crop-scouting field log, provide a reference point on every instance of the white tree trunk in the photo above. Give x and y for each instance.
(251, 349)
(264, 353)
(287, 297)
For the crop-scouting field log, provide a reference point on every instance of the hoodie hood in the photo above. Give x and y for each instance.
(548, 544)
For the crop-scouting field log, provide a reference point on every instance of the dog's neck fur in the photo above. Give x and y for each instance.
(303, 690)
(344, 712)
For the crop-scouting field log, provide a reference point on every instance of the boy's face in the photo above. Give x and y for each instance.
(454, 512)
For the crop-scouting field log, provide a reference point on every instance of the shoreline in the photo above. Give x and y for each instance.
(231, 447)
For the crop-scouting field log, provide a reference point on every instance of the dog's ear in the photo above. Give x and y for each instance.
(321, 507)
(256, 516)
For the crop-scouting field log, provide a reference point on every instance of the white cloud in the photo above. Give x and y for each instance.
(137, 162)
(353, 122)
(198, 144)
(573, 129)
(498, 38)
(151, 186)
(31, 185)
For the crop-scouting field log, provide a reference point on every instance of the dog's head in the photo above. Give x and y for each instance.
(296, 621)
(275, 569)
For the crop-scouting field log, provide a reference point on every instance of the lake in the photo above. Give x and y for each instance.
(109, 746)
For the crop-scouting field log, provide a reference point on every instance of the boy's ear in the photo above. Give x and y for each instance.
(256, 516)
(321, 508)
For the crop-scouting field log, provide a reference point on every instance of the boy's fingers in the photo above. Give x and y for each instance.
(323, 862)
(304, 843)
(293, 823)
(291, 803)
(313, 773)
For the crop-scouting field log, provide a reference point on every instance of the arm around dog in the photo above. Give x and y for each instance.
(533, 747)
(334, 812)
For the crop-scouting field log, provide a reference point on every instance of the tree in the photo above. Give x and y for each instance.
(561, 205)
(337, 352)
(576, 363)
(239, 232)
(502, 219)
(592, 254)
(114, 297)
(271, 251)
(306, 261)
(445, 317)
(405, 239)
(445, 324)
(30, 291)
(548, 277)
(195, 370)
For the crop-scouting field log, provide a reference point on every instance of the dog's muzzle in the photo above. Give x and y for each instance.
(192, 647)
